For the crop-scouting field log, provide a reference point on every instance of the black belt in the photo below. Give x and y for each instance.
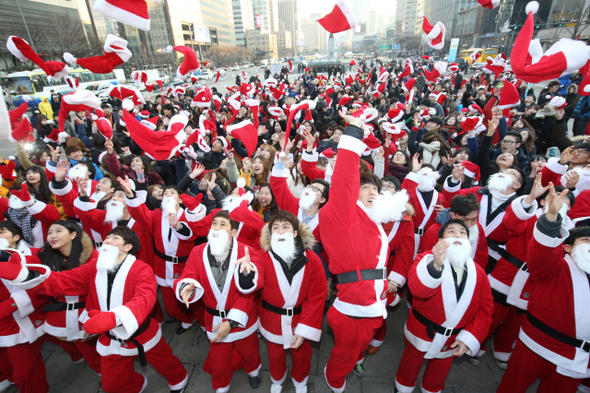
(419, 231)
(217, 313)
(62, 306)
(140, 350)
(365, 275)
(432, 327)
(282, 311)
(174, 259)
(559, 336)
(520, 265)
(73, 219)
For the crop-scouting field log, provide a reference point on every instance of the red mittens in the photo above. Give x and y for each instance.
(23, 194)
(100, 322)
(191, 203)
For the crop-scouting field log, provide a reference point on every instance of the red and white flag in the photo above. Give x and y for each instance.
(340, 19)
(218, 76)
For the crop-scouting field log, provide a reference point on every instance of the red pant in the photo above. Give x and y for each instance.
(379, 335)
(525, 367)
(300, 357)
(221, 360)
(352, 337)
(23, 365)
(434, 377)
(508, 321)
(119, 376)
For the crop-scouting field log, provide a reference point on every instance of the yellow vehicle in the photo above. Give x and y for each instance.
(466, 54)
(488, 52)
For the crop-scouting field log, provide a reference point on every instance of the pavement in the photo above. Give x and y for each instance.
(192, 347)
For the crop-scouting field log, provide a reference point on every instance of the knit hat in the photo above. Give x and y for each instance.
(158, 145)
(115, 54)
(129, 12)
(246, 133)
(80, 100)
(21, 49)
(435, 35)
(530, 64)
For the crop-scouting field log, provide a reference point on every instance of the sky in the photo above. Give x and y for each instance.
(307, 7)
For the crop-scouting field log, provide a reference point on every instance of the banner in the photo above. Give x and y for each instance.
(453, 50)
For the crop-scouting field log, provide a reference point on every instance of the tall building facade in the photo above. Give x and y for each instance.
(289, 17)
(269, 16)
(314, 36)
(219, 16)
(263, 43)
(406, 18)
(447, 12)
(243, 19)
(285, 42)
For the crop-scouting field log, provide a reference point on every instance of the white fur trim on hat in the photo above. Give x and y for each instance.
(533, 7)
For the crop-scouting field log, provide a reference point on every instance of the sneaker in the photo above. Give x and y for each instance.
(274, 388)
(502, 364)
(371, 350)
(474, 360)
(254, 381)
(359, 370)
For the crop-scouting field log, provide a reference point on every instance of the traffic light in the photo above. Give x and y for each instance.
(537, 27)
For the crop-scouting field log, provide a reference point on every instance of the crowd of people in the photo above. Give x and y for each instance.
(258, 210)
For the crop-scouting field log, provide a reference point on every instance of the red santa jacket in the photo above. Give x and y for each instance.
(93, 218)
(239, 306)
(167, 241)
(480, 254)
(560, 298)
(309, 166)
(424, 216)
(553, 171)
(436, 299)
(307, 290)
(400, 235)
(351, 239)
(133, 297)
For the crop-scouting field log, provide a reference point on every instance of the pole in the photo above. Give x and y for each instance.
(26, 27)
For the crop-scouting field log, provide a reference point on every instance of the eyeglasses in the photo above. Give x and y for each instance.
(581, 151)
(315, 189)
(508, 142)
(387, 186)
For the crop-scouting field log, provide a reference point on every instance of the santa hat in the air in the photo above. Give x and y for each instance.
(396, 131)
(367, 114)
(558, 102)
(139, 77)
(408, 70)
(22, 50)
(178, 91)
(290, 65)
(22, 131)
(439, 68)
(303, 105)
(496, 65)
(489, 3)
(453, 67)
(409, 89)
(104, 127)
(530, 64)
(190, 62)
(340, 19)
(247, 89)
(275, 111)
(115, 54)
(129, 12)
(352, 63)
(80, 100)
(217, 102)
(122, 92)
(427, 112)
(435, 35)
(441, 97)
(271, 82)
(254, 106)
(245, 132)
(71, 82)
(203, 98)
(344, 100)
(56, 136)
(474, 123)
(396, 114)
(159, 145)
(151, 122)
(471, 170)
(508, 98)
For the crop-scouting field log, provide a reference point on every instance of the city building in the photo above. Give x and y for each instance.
(314, 36)
(243, 19)
(285, 43)
(289, 17)
(262, 43)
(218, 15)
(269, 14)
(447, 12)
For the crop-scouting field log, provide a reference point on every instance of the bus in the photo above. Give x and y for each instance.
(466, 53)
(489, 52)
(36, 85)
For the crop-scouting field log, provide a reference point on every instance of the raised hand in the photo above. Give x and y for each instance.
(572, 178)
(566, 155)
(536, 191)
(126, 185)
(173, 220)
(82, 184)
(108, 144)
(353, 121)
(554, 203)
(244, 263)
(458, 171)
(439, 252)
(197, 170)
(416, 162)
(54, 153)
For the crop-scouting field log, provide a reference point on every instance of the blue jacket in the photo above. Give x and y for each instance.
(582, 110)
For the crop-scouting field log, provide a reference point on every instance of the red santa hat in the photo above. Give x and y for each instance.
(344, 100)
(383, 75)
(290, 65)
(22, 131)
(303, 105)
(203, 98)
(21, 49)
(557, 102)
(495, 65)
(328, 99)
(584, 89)
(271, 82)
(453, 67)
(328, 153)
(246, 133)
(178, 91)
(275, 111)
(189, 63)
(80, 100)
(104, 127)
(223, 141)
(254, 106)
(409, 85)
(151, 122)
(474, 123)
(129, 12)
(373, 144)
(368, 115)
(122, 92)
(340, 19)
(476, 108)
(352, 63)
(17, 114)
(471, 170)
(394, 129)
(348, 81)
(217, 102)
(159, 145)
(247, 90)
(139, 77)
(508, 98)
(489, 3)
(439, 68)
(530, 64)
(441, 97)
(427, 112)
(435, 35)
(115, 54)
(71, 82)
(395, 114)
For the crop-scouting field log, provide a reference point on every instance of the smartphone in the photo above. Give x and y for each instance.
(140, 177)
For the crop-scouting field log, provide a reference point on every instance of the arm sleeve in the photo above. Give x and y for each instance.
(560, 135)
(232, 172)
(113, 164)
(309, 166)
(280, 189)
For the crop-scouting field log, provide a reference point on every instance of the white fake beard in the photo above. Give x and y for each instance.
(283, 245)
(458, 255)
(4, 244)
(168, 206)
(97, 196)
(581, 256)
(427, 180)
(78, 172)
(15, 203)
(307, 199)
(388, 207)
(499, 182)
(473, 239)
(231, 202)
(115, 211)
(107, 258)
(218, 242)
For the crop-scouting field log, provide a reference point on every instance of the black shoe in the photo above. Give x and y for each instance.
(180, 330)
(255, 381)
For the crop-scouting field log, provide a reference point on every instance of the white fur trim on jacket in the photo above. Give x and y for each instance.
(449, 188)
(35, 281)
(128, 321)
(310, 157)
(469, 339)
(398, 278)
(239, 316)
(549, 241)
(199, 291)
(555, 166)
(23, 303)
(237, 281)
(61, 191)
(280, 172)
(37, 207)
(422, 272)
(85, 206)
(308, 332)
(520, 211)
(348, 142)
(140, 198)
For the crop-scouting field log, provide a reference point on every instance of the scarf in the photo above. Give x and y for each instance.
(430, 153)
(25, 221)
